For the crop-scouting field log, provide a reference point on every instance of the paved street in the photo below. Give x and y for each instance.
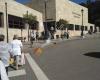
(68, 60)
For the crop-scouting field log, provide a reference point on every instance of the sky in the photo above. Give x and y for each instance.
(23, 1)
(77, 1)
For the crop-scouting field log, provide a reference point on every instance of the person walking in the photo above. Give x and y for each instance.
(3, 74)
(37, 36)
(4, 52)
(16, 49)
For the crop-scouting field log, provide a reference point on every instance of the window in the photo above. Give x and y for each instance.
(71, 27)
(15, 22)
(1, 19)
(86, 28)
(77, 27)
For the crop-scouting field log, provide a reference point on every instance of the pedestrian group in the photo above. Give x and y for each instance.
(8, 51)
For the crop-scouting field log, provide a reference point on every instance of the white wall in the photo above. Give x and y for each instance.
(17, 9)
(71, 12)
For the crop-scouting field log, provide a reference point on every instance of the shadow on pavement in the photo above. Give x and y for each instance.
(93, 54)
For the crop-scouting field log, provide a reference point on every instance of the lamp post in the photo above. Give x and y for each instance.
(21, 33)
(46, 29)
(28, 24)
(82, 28)
(6, 22)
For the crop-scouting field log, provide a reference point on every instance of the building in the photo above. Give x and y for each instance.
(53, 10)
(11, 19)
(48, 12)
(93, 12)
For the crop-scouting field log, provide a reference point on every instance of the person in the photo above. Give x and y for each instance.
(82, 34)
(37, 35)
(62, 36)
(52, 32)
(3, 74)
(49, 35)
(24, 39)
(16, 49)
(42, 35)
(4, 52)
(67, 35)
(32, 36)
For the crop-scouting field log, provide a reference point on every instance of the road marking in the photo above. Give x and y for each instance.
(36, 69)
(16, 73)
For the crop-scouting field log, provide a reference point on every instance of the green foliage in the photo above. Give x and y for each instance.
(31, 19)
(62, 24)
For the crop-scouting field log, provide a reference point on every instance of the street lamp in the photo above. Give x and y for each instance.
(82, 27)
(28, 24)
(46, 29)
(21, 33)
(6, 22)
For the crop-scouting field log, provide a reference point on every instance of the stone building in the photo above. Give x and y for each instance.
(11, 19)
(93, 12)
(53, 10)
(48, 12)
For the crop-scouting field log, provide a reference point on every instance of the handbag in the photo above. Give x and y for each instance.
(11, 61)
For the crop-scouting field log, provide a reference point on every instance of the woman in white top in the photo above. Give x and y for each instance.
(3, 74)
(4, 52)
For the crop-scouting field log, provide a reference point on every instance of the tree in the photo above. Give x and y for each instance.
(31, 20)
(62, 24)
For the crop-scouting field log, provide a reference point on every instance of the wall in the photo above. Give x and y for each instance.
(17, 9)
(71, 12)
(39, 5)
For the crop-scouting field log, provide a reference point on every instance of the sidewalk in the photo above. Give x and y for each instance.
(93, 35)
(42, 43)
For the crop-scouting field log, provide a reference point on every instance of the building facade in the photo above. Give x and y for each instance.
(93, 12)
(11, 19)
(48, 13)
(54, 10)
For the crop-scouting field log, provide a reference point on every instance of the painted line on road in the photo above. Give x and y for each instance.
(36, 69)
(16, 73)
